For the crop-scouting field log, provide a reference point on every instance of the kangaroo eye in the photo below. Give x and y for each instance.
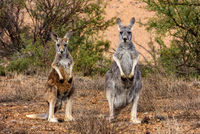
(121, 32)
(129, 32)
(58, 45)
(65, 45)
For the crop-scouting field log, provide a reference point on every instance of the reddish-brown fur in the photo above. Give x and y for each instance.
(54, 81)
(60, 83)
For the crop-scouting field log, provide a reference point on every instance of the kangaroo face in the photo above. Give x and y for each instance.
(61, 46)
(125, 34)
(61, 43)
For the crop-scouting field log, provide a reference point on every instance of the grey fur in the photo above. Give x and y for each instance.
(123, 86)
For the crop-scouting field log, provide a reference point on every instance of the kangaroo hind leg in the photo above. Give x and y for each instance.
(52, 97)
(110, 98)
(68, 109)
(134, 118)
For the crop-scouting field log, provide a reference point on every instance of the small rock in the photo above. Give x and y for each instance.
(6, 131)
(147, 132)
(13, 121)
(146, 120)
(196, 84)
(160, 117)
(5, 104)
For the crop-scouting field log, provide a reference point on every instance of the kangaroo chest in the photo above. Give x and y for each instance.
(126, 62)
(65, 63)
(62, 88)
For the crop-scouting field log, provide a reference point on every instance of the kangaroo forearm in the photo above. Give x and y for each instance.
(135, 61)
(57, 70)
(118, 63)
(70, 69)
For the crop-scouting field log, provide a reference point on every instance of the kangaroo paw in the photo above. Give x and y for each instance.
(53, 119)
(130, 77)
(110, 118)
(70, 118)
(61, 80)
(135, 121)
(123, 77)
(70, 80)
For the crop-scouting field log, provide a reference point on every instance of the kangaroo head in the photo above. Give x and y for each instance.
(125, 33)
(61, 43)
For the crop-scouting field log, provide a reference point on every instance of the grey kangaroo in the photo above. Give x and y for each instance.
(123, 80)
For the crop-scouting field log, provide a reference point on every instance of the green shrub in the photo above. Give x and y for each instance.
(31, 58)
(19, 65)
(89, 59)
(180, 20)
(146, 70)
(2, 71)
(171, 60)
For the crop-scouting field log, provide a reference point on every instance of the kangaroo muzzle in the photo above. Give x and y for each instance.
(125, 39)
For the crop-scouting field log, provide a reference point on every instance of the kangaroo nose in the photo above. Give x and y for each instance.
(125, 39)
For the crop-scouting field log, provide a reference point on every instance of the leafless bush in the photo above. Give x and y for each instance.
(11, 21)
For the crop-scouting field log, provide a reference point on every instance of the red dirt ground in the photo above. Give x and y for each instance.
(22, 95)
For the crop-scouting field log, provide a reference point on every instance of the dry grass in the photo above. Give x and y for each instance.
(96, 83)
(170, 105)
(21, 88)
(93, 125)
(179, 94)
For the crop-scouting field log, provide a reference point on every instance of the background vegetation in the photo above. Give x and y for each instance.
(29, 45)
(180, 20)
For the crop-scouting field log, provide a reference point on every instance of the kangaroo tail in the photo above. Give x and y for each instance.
(38, 116)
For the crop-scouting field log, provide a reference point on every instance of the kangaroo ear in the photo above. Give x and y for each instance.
(132, 22)
(67, 35)
(54, 36)
(119, 23)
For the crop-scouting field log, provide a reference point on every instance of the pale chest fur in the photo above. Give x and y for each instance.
(65, 63)
(126, 63)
